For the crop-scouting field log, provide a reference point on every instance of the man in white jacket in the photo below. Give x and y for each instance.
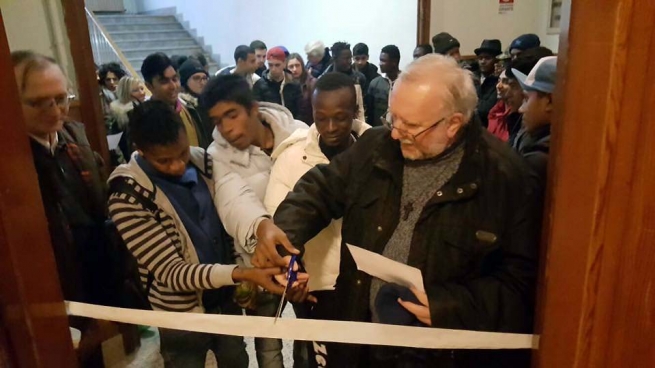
(247, 132)
(334, 130)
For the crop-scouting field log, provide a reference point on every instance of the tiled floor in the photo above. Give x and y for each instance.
(147, 356)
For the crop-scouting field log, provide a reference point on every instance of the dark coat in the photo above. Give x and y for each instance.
(535, 148)
(203, 125)
(487, 97)
(476, 242)
(370, 71)
(268, 90)
(73, 191)
(377, 100)
(306, 111)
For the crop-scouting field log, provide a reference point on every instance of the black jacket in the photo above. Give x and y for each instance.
(476, 242)
(268, 90)
(73, 191)
(535, 148)
(370, 71)
(377, 100)
(487, 97)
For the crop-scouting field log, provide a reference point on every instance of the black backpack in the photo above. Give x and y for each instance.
(130, 291)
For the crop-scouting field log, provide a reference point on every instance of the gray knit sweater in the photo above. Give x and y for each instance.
(421, 180)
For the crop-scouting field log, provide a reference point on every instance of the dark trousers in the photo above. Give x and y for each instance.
(186, 349)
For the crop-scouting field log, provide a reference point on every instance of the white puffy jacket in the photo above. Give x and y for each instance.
(293, 158)
(253, 164)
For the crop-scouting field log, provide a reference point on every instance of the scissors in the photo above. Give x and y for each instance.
(291, 278)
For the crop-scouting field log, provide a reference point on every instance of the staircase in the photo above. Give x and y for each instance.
(138, 36)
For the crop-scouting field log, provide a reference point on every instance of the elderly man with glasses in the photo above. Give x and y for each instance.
(434, 191)
(70, 177)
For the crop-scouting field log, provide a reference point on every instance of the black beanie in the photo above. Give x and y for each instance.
(189, 68)
(444, 42)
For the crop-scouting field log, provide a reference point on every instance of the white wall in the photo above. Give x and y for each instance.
(292, 23)
(471, 21)
(38, 25)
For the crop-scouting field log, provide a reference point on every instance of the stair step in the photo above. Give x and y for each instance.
(135, 19)
(144, 52)
(148, 36)
(144, 27)
(164, 43)
(138, 36)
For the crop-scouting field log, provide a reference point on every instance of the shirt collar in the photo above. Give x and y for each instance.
(50, 144)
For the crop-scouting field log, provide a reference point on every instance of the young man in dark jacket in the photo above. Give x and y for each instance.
(377, 96)
(361, 64)
(486, 80)
(533, 143)
(438, 193)
(277, 85)
(163, 81)
(342, 63)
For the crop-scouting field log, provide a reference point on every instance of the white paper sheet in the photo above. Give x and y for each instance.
(386, 269)
(112, 140)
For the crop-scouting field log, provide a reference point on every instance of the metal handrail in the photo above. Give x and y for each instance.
(104, 48)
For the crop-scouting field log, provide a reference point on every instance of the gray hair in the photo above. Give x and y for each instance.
(458, 92)
(315, 49)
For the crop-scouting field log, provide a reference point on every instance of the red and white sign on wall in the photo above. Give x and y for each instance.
(505, 6)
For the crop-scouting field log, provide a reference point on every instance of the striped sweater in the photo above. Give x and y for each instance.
(161, 244)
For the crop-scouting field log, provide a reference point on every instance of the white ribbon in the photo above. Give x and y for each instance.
(310, 330)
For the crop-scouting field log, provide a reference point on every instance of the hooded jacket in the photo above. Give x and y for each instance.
(160, 242)
(252, 164)
(293, 158)
(286, 93)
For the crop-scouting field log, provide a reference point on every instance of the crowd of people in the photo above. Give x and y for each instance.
(218, 180)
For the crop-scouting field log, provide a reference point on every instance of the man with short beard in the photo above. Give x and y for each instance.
(436, 192)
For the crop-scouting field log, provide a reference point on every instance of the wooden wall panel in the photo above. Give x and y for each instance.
(423, 23)
(90, 109)
(33, 313)
(598, 294)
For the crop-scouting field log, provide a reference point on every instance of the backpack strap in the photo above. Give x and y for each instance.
(120, 185)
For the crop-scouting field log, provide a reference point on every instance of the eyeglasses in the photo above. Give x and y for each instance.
(391, 126)
(200, 78)
(61, 102)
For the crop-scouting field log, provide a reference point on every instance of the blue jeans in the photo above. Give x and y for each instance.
(186, 349)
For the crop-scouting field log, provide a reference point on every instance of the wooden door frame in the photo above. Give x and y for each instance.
(88, 88)
(33, 314)
(597, 292)
(423, 22)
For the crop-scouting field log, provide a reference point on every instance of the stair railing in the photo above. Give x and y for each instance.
(104, 48)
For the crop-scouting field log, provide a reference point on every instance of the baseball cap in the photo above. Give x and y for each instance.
(541, 78)
(276, 53)
(524, 42)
